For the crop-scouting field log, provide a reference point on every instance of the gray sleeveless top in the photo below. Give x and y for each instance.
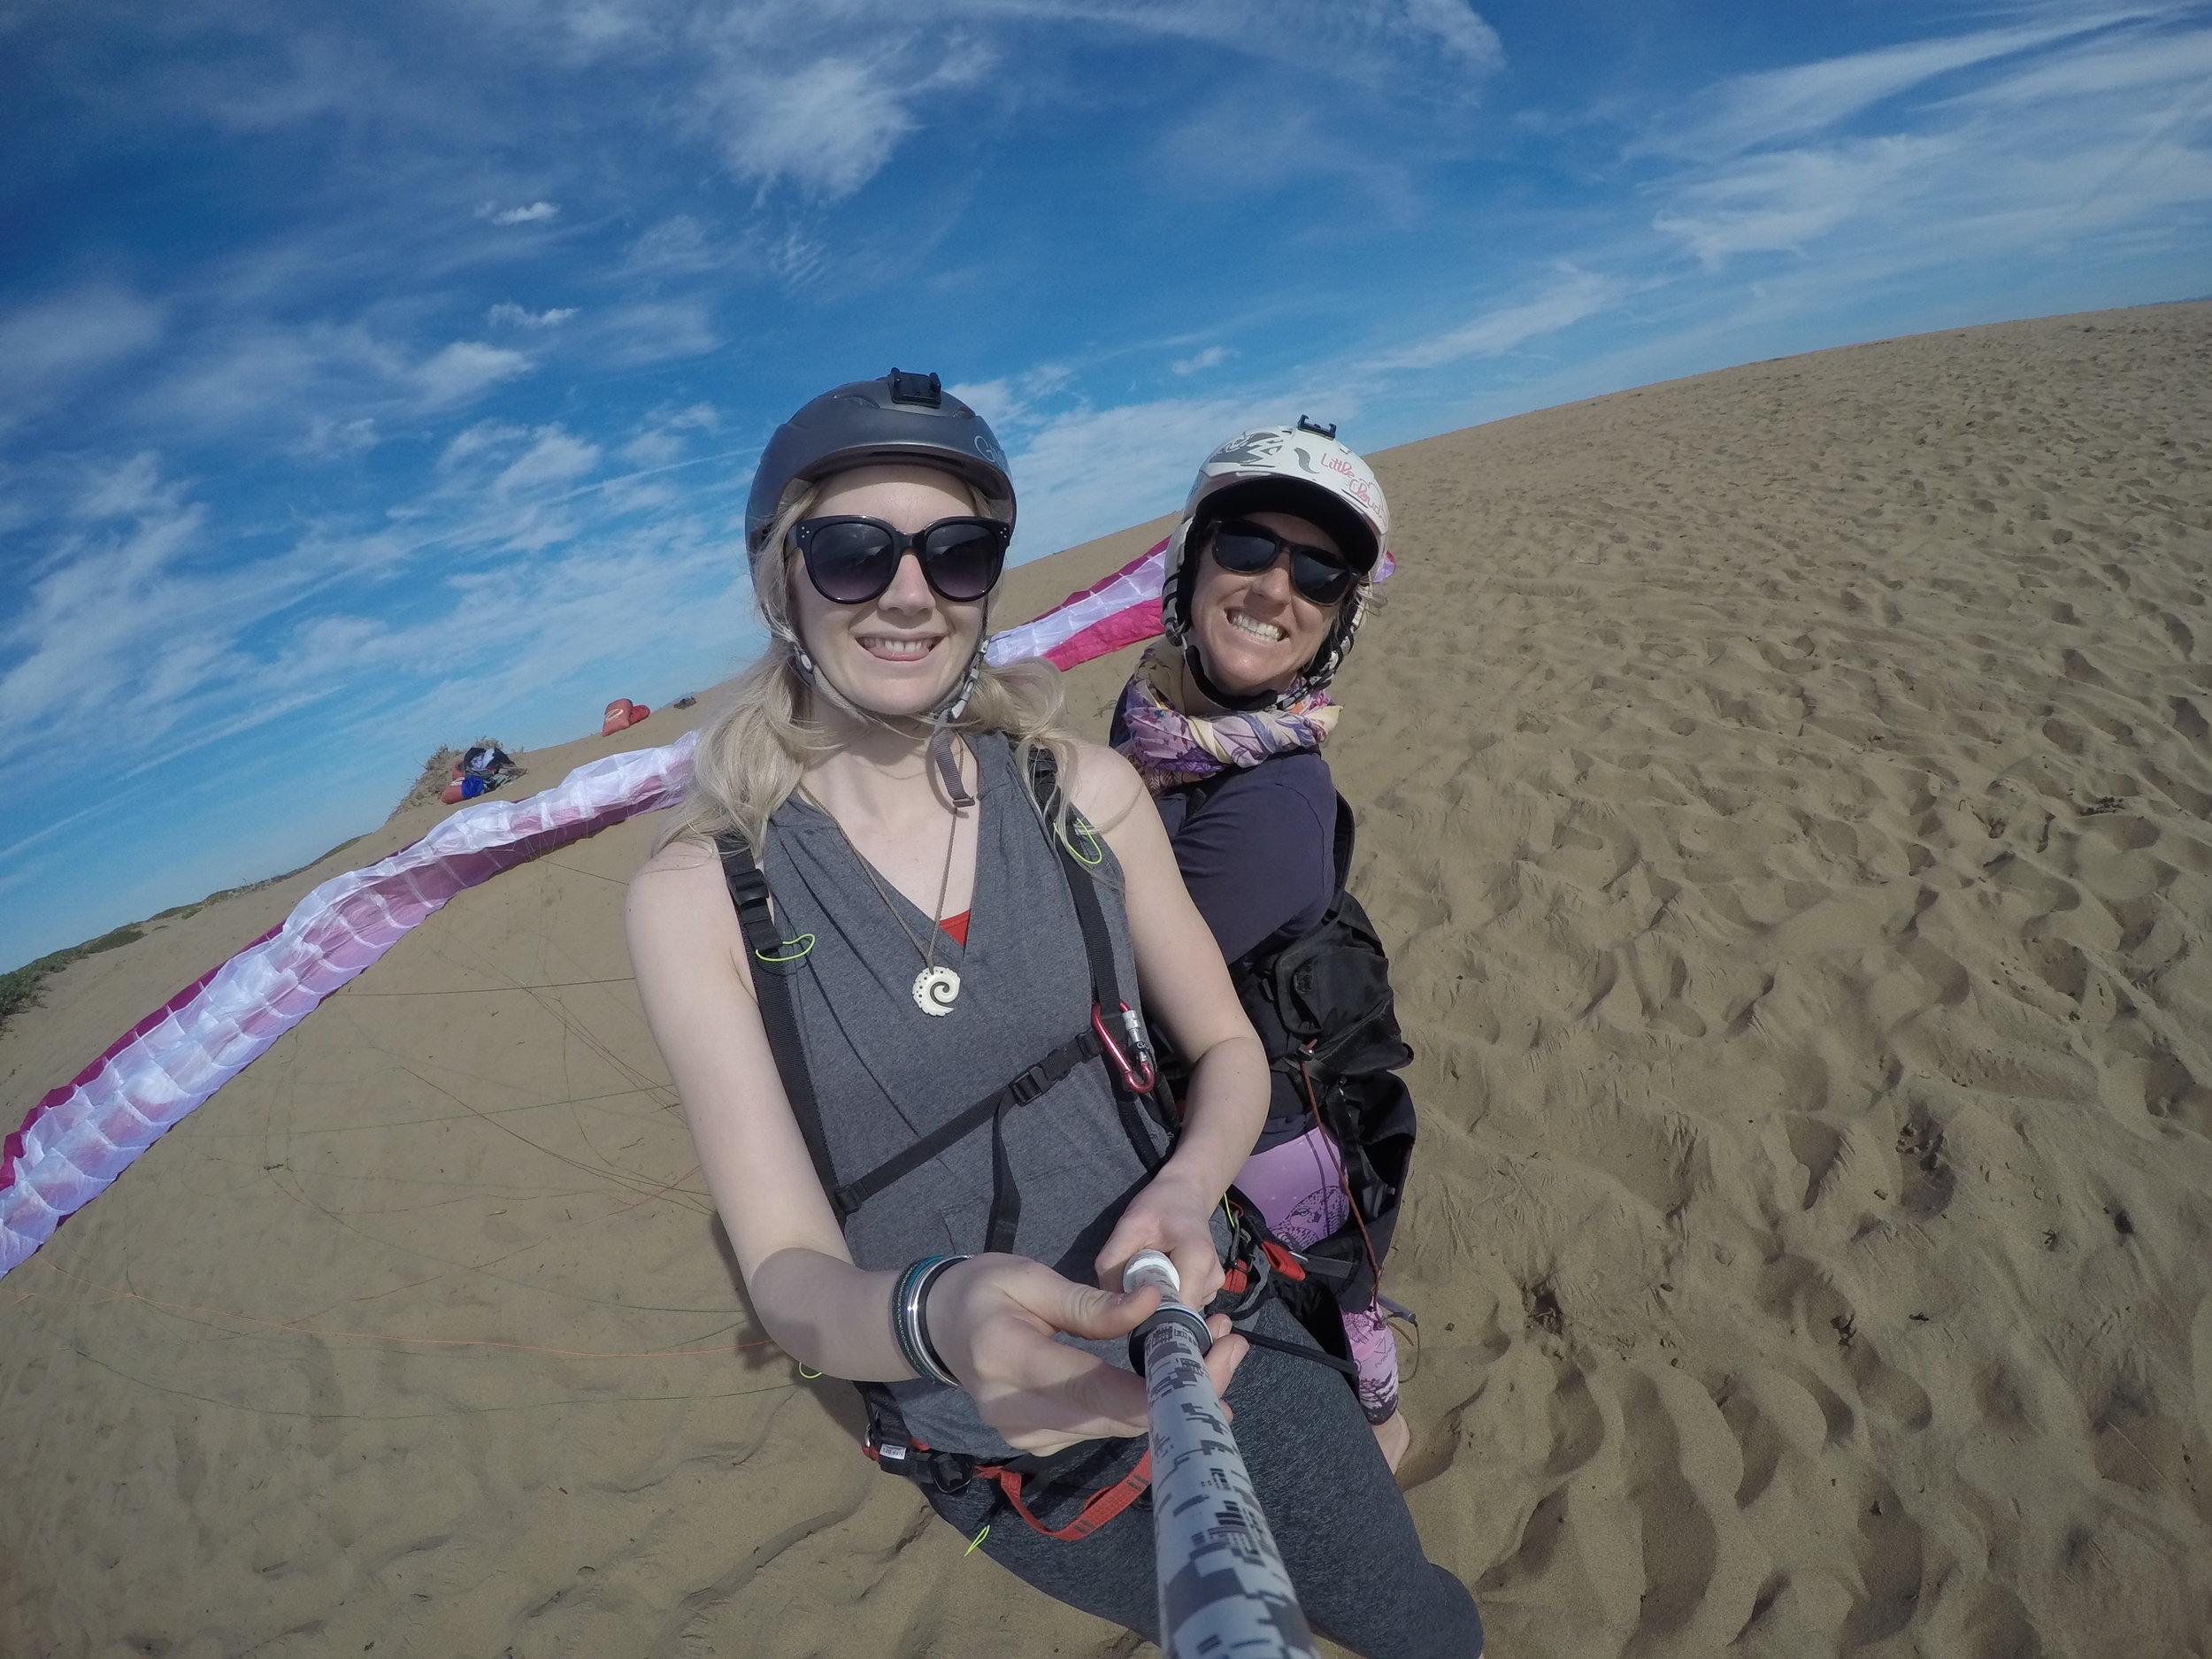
(886, 1073)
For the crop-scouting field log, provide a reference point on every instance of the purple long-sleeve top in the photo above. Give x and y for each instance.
(1258, 855)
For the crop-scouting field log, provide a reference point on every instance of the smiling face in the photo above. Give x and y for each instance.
(902, 652)
(1257, 633)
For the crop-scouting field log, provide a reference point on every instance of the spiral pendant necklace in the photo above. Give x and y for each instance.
(935, 988)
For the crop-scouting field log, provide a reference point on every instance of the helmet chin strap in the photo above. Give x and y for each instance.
(940, 731)
(941, 718)
(1237, 703)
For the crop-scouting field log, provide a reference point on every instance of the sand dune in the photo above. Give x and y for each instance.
(1787, 792)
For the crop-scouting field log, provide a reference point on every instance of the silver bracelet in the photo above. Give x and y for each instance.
(908, 1326)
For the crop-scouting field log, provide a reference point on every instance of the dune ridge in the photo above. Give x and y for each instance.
(1786, 793)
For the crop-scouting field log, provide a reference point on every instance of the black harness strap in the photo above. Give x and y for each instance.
(1098, 945)
(773, 964)
(991, 1108)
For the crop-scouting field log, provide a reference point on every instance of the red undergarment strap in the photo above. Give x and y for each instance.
(1100, 1508)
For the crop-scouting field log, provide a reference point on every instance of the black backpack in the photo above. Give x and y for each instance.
(1323, 1008)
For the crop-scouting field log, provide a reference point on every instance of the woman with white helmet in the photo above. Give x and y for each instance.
(1268, 576)
(891, 950)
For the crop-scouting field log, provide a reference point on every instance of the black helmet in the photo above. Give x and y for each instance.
(901, 418)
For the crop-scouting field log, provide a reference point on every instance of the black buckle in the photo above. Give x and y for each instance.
(947, 1471)
(1030, 1083)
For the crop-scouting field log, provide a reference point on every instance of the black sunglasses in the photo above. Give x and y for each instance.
(1249, 548)
(851, 560)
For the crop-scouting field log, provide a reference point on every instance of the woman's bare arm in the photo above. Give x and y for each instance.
(689, 958)
(1187, 989)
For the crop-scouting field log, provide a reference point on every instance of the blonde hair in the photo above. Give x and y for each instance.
(753, 752)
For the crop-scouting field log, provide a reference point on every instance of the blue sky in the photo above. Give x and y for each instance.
(375, 375)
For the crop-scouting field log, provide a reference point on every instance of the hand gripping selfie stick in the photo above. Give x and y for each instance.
(1224, 1593)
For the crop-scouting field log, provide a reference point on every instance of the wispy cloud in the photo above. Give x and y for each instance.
(328, 438)
(533, 213)
(1084, 470)
(827, 127)
(1762, 109)
(52, 343)
(1772, 202)
(1574, 296)
(464, 369)
(507, 314)
(2065, 125)
(1198, 362)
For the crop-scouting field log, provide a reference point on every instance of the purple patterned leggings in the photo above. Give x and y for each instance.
(1298, 1188)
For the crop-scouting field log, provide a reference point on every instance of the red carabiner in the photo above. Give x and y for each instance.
(1140, 1076)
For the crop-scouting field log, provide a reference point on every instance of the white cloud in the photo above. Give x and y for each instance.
(1459, 29)
(2087, 133)
(329, 438)
(677, 244)
(534, 213)
(1088, 471)
(112, 628)
(1577, 294)
(827, 127)
(132, 489)
(662, 442)
(1010, 400)
(556, 458)
(1366, 40)
(336, 372)
(52, 342)
(1212, 357)
(1782, 202)
(654, 331)
(464, 369)
(484, 436)
(792, 102)
(1759, 109)
(2132, 63)
(507, 314)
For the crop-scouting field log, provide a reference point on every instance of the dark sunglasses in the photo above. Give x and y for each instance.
(1249, 548)
(851, 561)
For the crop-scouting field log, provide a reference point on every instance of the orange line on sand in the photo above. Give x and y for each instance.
(109, 1294)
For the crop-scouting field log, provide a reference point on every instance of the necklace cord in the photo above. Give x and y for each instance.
(944, 880)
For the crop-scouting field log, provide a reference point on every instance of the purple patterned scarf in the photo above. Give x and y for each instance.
(1171, 747)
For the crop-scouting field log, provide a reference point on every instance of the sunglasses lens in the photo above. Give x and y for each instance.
(850, 563)
(962, 559)
(1244, 550)
(1319, 579)
(1248, 549)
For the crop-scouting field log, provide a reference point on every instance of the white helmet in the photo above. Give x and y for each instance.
(1302, 470)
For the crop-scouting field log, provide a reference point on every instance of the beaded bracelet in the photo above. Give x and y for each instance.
(909, 1300)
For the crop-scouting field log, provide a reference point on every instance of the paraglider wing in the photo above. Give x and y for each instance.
(82, 1135)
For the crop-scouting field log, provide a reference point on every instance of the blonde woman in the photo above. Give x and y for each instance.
(896, 953)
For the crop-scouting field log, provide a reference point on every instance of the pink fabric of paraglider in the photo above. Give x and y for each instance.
(1120, 610)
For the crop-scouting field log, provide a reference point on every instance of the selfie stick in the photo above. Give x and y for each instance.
(1224, 1593)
